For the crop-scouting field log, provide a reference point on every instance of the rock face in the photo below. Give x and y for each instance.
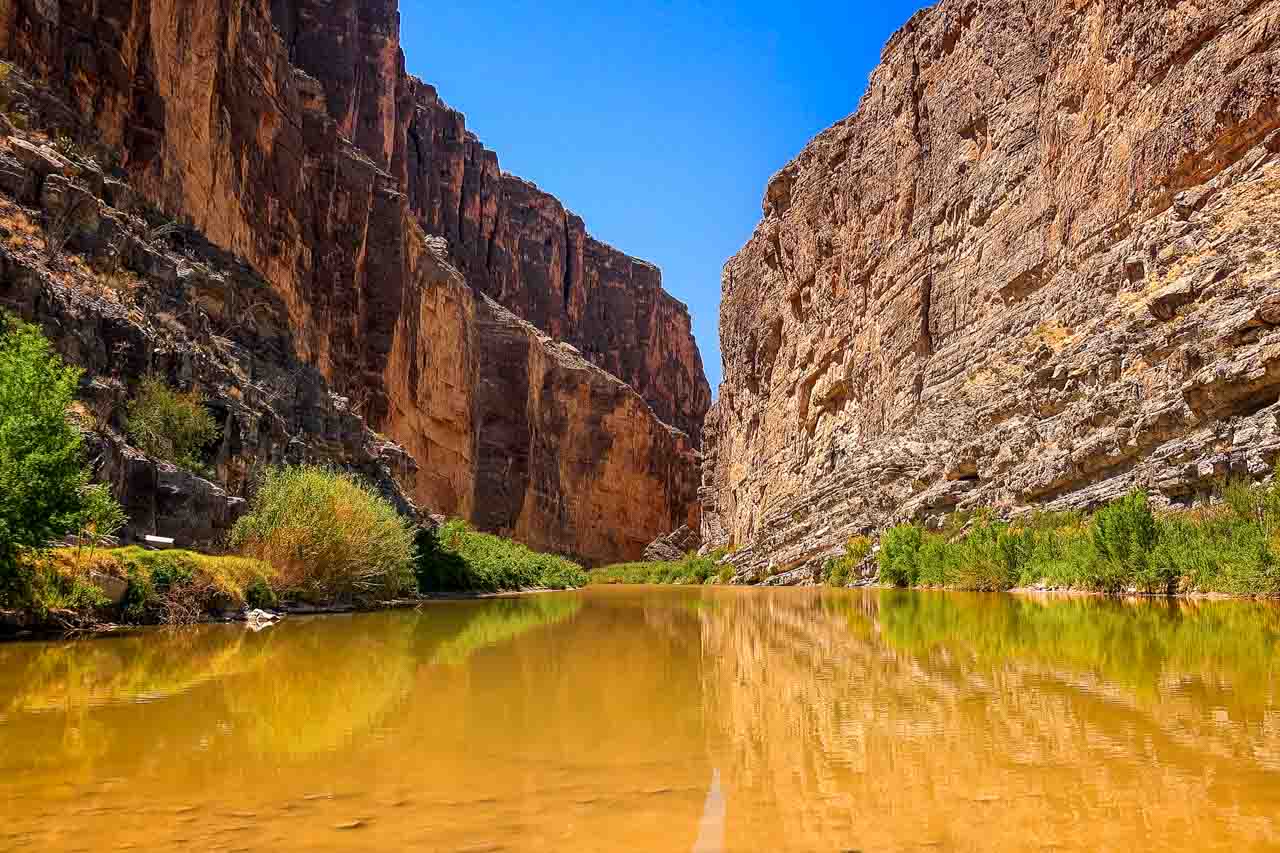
(511, 240)
(287, 134)
(1037, 267)
(674, 545)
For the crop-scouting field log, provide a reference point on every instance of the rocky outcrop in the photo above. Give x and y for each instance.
(674, 546)
(288, 136)
(1036, 268)
(570, 459)
(122, 302)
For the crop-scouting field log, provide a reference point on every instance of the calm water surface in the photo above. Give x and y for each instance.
(658, 719)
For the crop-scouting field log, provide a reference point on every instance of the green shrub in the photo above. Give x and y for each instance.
(1231, 547)
(1124, 535)
(900, 555)
(690, 569)
(457, 558)
(328, 537)
(839, 571)
(170, 425)
(44, 483)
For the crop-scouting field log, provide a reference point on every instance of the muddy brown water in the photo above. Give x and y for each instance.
(704, 719)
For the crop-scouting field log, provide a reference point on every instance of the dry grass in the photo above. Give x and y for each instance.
(24, 233)
(1052, 334)
(328, 537)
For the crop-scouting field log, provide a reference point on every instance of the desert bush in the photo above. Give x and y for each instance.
(44, 482)
(457, 558)
(1125, 546)
(900, 555)
(328, 536)
(690, 569)
(1124, 535)
(170, 425)
(839, 571)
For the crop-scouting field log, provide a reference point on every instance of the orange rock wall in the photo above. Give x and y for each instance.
(312, 182)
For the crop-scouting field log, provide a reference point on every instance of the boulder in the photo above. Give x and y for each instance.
(112, 587)
(674, 546)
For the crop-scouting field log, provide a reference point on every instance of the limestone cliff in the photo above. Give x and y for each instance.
(1037, 267)
(288, 135)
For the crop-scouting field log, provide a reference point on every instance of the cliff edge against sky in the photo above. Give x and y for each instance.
(1036, 268)
(288, 134)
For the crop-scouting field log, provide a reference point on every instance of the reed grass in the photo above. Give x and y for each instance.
(1231, 546)
(328, 537)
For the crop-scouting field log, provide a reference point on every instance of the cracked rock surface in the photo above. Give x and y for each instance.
(1038, 267)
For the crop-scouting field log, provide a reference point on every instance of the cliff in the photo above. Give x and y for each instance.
(288, 136)
(511, 240)
(1036, 268)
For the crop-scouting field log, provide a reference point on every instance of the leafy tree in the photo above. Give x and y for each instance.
(44, 483)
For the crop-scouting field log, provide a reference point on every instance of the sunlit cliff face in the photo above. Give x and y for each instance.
(1031, 269)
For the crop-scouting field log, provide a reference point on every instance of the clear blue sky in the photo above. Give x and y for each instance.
(658, 123)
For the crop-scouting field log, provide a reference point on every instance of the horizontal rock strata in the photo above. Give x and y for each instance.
(1036, 268)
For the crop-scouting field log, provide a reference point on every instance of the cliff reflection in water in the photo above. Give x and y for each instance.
(707, 718)
(885, 720)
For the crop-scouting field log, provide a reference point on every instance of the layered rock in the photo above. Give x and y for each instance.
(334, 187)
(570, 459)
(510, 239)
(121, 303)
(1037, 267)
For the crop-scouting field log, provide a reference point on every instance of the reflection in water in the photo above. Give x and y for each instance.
(659, 719)
(711, 827)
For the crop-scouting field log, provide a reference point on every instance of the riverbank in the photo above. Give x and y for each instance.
(31, 624)
(84, 590)
(1229, 547)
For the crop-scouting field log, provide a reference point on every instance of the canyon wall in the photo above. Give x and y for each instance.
(1037, 267)
(288, 135)
(510, 239)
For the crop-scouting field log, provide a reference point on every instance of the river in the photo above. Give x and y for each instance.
(682, 719)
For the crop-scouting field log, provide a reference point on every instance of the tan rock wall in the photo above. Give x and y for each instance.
(953, 297)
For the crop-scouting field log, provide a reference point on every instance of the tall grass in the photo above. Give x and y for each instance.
(1230, 547)
(692, 569)
(457, 558)
(170, 425)
(328, 537)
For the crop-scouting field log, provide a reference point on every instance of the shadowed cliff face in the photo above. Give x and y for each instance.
(511, 240)
(288, 133)
(1036, 267)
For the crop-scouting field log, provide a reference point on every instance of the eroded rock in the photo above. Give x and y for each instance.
(1034, 269)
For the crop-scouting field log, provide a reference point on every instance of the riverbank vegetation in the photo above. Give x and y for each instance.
(170, 425)
(457, 558)
(45, 492)
(328, 537)
(312, 536)
(693, 569)
(1231, 546)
